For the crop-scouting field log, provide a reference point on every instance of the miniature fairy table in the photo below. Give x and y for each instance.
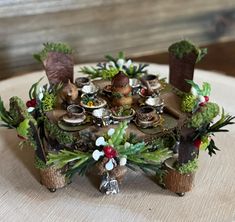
(169, 120)
(23, 199)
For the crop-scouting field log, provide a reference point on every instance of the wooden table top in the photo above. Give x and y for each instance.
(23, 198)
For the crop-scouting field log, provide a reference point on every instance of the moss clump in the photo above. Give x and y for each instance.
(189, 167)
(48, 101)
(108, 73)
(52, 47)
(204, 116)
(189, 102)
(39, 164)
(61, 136)
(184, 47)
(18, 111)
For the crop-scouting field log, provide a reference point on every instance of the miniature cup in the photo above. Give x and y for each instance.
(82, 81)
(101, 117)
(75, 111)
(90, 90)
(146, 113)
(135, 85)
(156, 102)
(151, 79)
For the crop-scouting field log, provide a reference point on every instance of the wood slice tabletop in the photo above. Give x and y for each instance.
(23, 198)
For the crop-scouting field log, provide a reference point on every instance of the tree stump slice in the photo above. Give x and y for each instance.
(53, 178)
(176, 182)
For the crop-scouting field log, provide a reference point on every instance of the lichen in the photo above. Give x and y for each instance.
(189, 167)
(188, 103)
(184, 47)
(204, 116)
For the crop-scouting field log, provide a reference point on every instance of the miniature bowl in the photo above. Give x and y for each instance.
(154, 101)
(90, 89)
(124, 118)
(75, 111)
(146, 113)
(82, 81)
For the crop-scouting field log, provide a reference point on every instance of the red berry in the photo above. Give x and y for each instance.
(206, 98)
(109, 152)
(107, 149)
(202, 104)
(28, 103)
(197, 143)
(114, 153)
(31, 103)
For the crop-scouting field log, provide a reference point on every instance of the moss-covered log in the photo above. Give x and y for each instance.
(175, 181)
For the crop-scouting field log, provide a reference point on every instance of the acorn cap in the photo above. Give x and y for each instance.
(120, 80)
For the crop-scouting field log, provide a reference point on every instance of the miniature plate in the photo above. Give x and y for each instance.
(122, 118)
(148, 124)
(71, 127)
(73, 120)
(100, 103)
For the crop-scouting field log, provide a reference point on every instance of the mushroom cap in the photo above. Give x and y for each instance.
(120, 80)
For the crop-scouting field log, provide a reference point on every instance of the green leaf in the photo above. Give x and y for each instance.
(224, 120)
(34, 89)
(23, 128)
(194, 85)
(5, 116)
(132, 149)
(212, 148)
(201, 54)
(118, 135)
(77, 160)
(206, 89)
(121, 55)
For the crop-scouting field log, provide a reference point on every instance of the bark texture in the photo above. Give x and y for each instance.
(182, 69)
(59, 67)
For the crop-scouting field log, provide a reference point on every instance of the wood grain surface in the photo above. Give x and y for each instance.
(94, 28)
(212, 199)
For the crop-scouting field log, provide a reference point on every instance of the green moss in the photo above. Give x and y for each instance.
(39, 164)
(204, 116)
(48, 101)
(189, 167)
(108, 73)
(188, 103)
(184, 47)
(52, 47)
(61, 136)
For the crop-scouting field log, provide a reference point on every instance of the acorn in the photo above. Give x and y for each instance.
(120, 84)
(120, 80)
